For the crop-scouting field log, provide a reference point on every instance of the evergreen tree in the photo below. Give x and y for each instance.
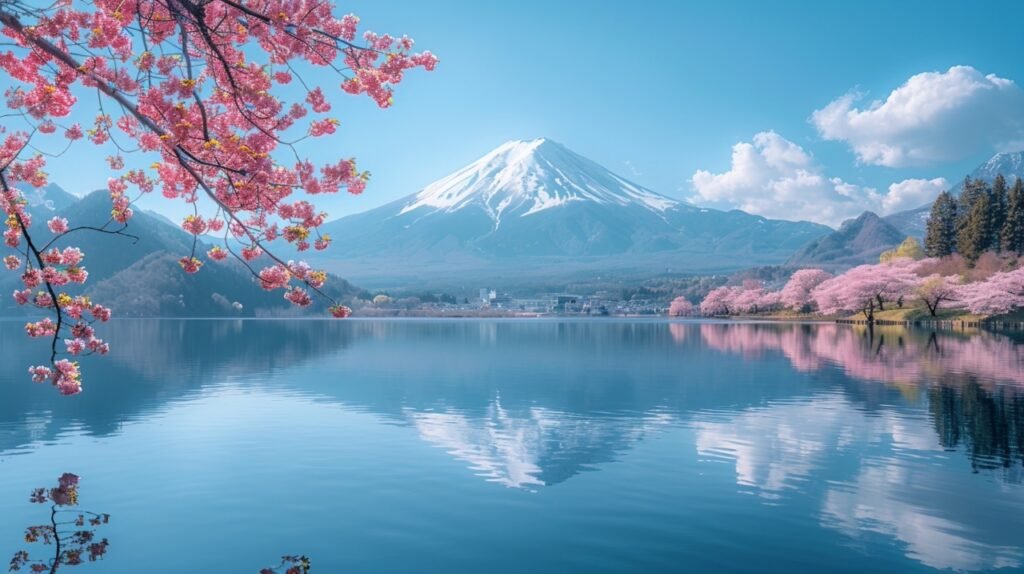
(975, 233)
(1013, 227)
(940, 238)
(997, 212)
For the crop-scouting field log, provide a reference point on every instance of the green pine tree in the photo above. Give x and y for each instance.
(975, 234)
(997, 213)
(1013, 227)
(940, 237)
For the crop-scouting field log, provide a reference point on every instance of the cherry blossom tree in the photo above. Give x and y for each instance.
(719, 301)
(680, 307)
(755, 300)
(215, 98)
(796, 294)
(866, 288)
(1000, 293)
(936, 290)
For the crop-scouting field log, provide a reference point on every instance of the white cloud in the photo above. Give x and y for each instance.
(932, 117)
(774, 177)
(912, 193)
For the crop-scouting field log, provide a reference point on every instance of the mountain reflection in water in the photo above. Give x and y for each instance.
(876, 437)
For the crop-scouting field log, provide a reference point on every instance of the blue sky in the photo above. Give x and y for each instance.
(659, 90)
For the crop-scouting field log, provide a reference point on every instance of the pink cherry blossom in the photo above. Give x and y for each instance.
(866, 288)
(680, 307)
(1000, 293)
(719, 301)
(217, 254)
(198, 92)
(275, 277)
(58, 225)
(796, 295)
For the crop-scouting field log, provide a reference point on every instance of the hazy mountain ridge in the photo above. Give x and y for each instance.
(856, 241)
(137, 274)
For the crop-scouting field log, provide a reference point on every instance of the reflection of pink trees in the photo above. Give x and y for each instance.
(796, 295)
(73, 543)
(892, 355)
(72, 533)
(680, 307)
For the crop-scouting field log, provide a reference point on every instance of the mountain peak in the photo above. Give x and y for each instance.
(1010, 164)
(524, 177)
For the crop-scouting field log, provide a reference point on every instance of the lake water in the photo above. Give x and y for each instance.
(528, 446)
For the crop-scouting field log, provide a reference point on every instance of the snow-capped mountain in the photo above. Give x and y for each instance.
(540, 204)
(1011, 165)
(521, 178)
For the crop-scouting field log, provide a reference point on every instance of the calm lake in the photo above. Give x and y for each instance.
(517, 446)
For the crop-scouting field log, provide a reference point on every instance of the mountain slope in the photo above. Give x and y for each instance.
(45, 202)
(856, 241)
(537, 207)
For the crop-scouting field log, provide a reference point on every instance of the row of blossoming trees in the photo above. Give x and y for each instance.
(213, 98)
(868, 289)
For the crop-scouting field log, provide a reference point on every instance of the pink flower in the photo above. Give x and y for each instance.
(58, 225)
(32, 278)
(250, 253)
(217, 254)
(71, 256)
(43, 328)
(339, 311)
(100, 313)
(40, 373)
(74, 346)
(298, 296)
(275, 277)
(22, 297)
(12, 262)
(194, 224)
(74, 132)
(190, 264)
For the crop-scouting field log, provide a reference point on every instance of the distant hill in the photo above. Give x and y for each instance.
(535, 210)
(141, 277)
(44, 202)
(912, 223)
(856, 241)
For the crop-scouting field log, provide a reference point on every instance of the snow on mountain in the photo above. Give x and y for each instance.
(522, 178)
(537, 207)
(1011, 165)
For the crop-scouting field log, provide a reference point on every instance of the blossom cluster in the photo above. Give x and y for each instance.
(178, 81)
(869, 288)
